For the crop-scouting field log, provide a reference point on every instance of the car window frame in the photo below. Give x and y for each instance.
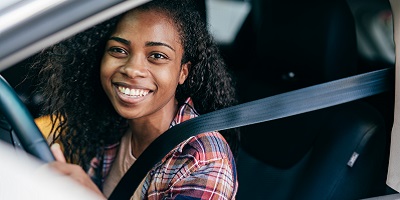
(52, 25)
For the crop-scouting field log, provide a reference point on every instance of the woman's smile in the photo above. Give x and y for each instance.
(133, 92)
(131, 95)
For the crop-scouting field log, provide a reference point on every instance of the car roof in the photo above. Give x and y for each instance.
(42, 23)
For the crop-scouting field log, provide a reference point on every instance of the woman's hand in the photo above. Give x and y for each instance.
(71, 170)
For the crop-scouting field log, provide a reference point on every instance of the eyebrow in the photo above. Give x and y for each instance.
(150, 44)
(121, 40)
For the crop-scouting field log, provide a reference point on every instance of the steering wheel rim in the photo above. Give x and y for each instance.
(22, 122)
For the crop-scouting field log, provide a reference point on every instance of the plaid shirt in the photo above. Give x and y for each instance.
(202, 167)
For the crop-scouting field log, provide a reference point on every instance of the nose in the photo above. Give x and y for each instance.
(135, 67)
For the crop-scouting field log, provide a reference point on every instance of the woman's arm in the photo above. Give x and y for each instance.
(73, 171)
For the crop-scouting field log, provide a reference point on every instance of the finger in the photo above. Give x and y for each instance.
(57, 152)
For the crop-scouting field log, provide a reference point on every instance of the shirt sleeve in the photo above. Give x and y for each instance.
(212, 180)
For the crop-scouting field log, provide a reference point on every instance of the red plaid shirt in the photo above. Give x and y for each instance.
(201, 167)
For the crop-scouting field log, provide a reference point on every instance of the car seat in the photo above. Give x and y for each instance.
(333, 153)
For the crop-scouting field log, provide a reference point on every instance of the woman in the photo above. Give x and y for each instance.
(158, 66)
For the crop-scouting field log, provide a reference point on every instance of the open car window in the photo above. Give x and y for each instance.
(26, 27)
(51, 21)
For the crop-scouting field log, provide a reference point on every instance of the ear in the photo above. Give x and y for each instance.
(184, 72)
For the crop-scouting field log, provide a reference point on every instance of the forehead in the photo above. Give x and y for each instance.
(148, 23)
(149, 14)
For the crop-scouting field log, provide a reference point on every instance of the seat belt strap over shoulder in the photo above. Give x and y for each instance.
(275, 107)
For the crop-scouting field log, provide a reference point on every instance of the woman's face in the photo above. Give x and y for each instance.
(141, 66)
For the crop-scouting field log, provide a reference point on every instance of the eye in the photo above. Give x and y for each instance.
(158, 56)
(117, 52)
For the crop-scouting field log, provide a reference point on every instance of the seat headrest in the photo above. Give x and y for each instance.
(306, 42)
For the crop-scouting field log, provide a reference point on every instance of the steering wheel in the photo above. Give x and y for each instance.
(22, 123)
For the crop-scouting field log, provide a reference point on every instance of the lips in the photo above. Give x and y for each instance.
(133, 92)
(129, 94)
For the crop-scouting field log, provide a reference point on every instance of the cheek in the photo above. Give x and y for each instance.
(165, 79)
(106, 67)
(105, 72)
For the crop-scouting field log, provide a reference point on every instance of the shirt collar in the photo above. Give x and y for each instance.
(185, 112)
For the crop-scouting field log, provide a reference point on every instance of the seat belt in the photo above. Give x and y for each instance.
(274, 107)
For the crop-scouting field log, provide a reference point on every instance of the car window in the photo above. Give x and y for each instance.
(226, 18)
(374, 25)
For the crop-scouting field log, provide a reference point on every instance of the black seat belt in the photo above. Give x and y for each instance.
(278, 106)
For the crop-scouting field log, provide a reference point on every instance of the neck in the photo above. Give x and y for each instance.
(146, 130)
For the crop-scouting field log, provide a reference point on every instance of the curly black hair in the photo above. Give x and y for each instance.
(81, 111)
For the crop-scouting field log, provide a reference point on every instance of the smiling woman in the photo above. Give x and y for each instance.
(112, 90)
(143, 56)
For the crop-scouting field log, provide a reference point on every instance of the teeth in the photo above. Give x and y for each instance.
(133, 92)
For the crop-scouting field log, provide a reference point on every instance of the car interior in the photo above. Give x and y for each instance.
(292, 45)
(340, 152)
